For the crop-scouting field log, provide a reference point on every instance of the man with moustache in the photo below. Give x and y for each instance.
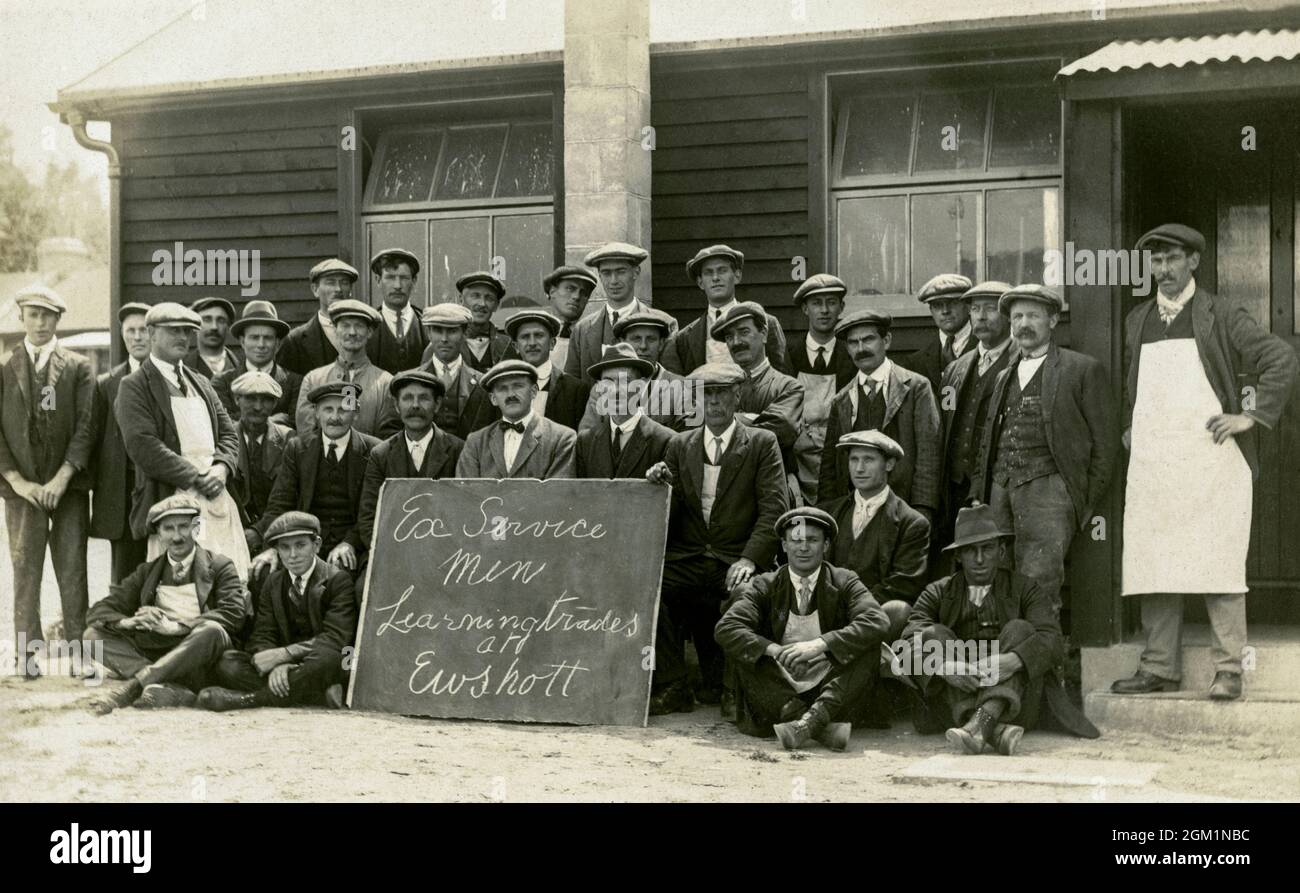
(180, 438)
(728, 493)
(944, 297)
(306, 617)
(110, 506)
(618, 265)
(804, 640)
(888, 398)
(717, 270)
(568, 289)
(261, 443)
(625, 443)
(560, 397)
(445, 324)
(210, 356)
(399, 342)
(354, 326)
(821, 363)
(419, 450)
(1049, 442)
(1191, 429)
(259, 331)
(165, 626)
(322, 473)
(964, 394)
(314, 344)
(523, 444)
(663, 398)
(484, 345)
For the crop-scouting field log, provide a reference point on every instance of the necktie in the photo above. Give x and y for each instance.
(614, 320)
(178, 572)
(616, 446)
(947, 353)
(401, 324)
(296, 591)
(180, 382)
(805, 595)
(717, 314)
(819, 364)
(517, 427)
(565, 329)
(332, 453)
(716, 458)
(985, 362)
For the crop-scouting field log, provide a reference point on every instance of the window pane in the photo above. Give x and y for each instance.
(962, 149)
(1021, 225)
(872, 249)
(879, 136)
(944, 231)
(527, 167)
(409, 162)
(408, 234)
(1026, 127)
(469, 165)
(458, 246)
(526, 242)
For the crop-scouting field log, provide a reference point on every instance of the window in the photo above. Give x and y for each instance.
(947, 176)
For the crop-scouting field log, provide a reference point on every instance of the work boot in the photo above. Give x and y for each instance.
(977, 732)
(1007, 737)
(219, 700)
(797, 734)
(334, 697)
(835, 736)
(1143, 683)
(122, 696)
(163, 695)
(1226, 686)
(675, 698)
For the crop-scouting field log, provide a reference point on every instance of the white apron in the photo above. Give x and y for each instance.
(803, 628)
(818, 393)
(220, 530)
(1188, 501)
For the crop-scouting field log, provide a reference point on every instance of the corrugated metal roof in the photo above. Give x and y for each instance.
(228, 44)
(1179, 52)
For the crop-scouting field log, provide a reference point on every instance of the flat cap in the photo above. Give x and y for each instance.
(259, 313)
(807, 515)
(420, 377)
(1031, 291)
(568, 271)
(251, 384)
(176, 504)
(352, 307)
(647, 316)
(743, 310)
(133, 307)
(870, 438)
(538, 315)
(693, 265)
(718, 375)
(1174, 234)
(334, 389)
(481, 277)
(620, 355)
(877, 318)
(505, 369)
(394, 254)
(945, 285)
(991, 289)
(38, 295)
(292, 524)
(213, 301)
(169, 313)
(447, 314)
(616, 251)
(821, 284)
(333, 265)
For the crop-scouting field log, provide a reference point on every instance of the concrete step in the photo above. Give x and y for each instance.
(1271, 662)
(1259, 712)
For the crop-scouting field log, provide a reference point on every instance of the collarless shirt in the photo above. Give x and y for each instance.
(798, 582)
(327, 326)
(40, 355)
(977, 594)
(865, 508)
(1027, 366)
(417, 448)
(880, 376)
(218, 365)
(811, 345)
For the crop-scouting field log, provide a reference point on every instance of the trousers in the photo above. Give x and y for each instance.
(690, 606)
(1041, 515)
(308, 679)
(64, 531)
(1162, 618)
(152, 658)
(762, 691)
(1021, 695)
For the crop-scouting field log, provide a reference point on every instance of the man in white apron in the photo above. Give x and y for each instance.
(1192, 449)
(180, 438)
(822, 364)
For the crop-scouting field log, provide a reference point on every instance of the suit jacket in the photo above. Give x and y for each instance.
(586, 338)
(928, 361)
(897, 567)
(546, 451)
(852, 621)
(275, 441)
(776, 401)
(114, 475)
(1229, 342)
(290, 382)
(306, 347)
(386, 352)
(1079, 419)
(952, 399)
(70, 422)
(461, 392)
(144, 414)
(646, 446)
(839, 363)
(751, 494)
(217, 584)
(658, 395)
(499, 348)
(295, 484)
(911, 418)
(331, 609)
(391, 459)
(192, 359)
(566, 399)
(685, 351)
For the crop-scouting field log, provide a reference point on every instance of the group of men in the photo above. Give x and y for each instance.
(912, 506)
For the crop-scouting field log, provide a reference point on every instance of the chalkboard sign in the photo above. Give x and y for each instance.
(512, 600)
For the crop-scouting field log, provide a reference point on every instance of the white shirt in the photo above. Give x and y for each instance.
(711, 471)
(182, 568)
(959, 339)
(865, 508)
(543, 382)
(633, 306)
(513, 439)
(40, 355)
(626, 427)
(880, 376)
(716, 351)
(812, 587)
(977, 594)
(328, 326)
(717, 313)
(812, 347)
(446, 371)
(989, 356)
(406, 315)
(1028, 366)
(170, 371)
(341, 443)
(219, 364)
(132, 364)
(417, 448)
(250, 366)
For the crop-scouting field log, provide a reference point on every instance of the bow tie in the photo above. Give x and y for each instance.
(517, 427)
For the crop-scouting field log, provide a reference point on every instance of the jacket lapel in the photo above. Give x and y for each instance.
(1051, 377)
(633, 450)
(527, 444)
(20, 362)
(1202, 331)
(599, 464)
(895, 396)
(434, 456)
(316, 593)
(356, 459)
(307, 465)
(731, 461)
(202, 576)
(158, 387)
(278, 585)
(57, 362)
(694, 459)
(497, 446)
